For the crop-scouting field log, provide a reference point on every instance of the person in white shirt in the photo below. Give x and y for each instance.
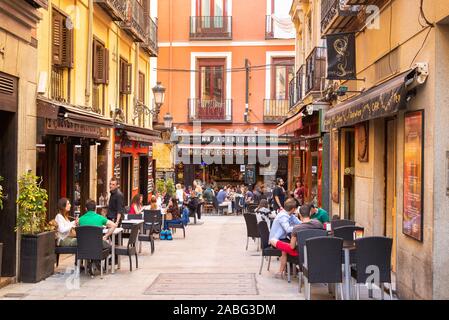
(179, 194)
(65, 234)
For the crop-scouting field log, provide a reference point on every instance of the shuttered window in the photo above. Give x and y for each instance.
(8, 93)
(142, 87)
(62, 40)
(125, 77)
(100, 63)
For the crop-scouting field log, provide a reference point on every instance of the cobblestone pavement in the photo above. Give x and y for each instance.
(216, 245)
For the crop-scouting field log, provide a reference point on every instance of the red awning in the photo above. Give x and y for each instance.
(290, 125)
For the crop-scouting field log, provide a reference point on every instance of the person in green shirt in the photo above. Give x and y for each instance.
(319, 214)
(91, 218)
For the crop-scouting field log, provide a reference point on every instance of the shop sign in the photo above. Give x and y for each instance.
(136, 168)
(413, 174)
(335, 165)
(150, 175)
(66, 128)
(117, 159)
(341, 56)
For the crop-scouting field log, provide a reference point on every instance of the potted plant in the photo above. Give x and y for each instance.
(37, 245)
(170, 187)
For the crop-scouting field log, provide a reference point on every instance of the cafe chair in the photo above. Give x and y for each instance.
(90, 246)
(151, 226)
(372, 254)
(180, 224)
(251, 208)
(265, 246)
(252, 230)
(322, 263)
(138, 216)
(346, 232)
(130, 248)
(64, 250)
(341, 223)
(301, 237)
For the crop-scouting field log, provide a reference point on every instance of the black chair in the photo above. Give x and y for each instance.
(301, 237)
(346, 232)
(341, 223)
(251, 208)
(151, 226)
(322, 262)
(65, 250)
(90, 245)
(252, 230)
(138, 216)
(373, 254)
(265, 246)
(130, 249)
(181, 225)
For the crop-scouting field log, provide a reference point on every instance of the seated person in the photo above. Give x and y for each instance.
(263, 212)
(153, 203)
(91, 218)
(172, 216)
(193, 203)
(136, 204)
(65, 234)
(307, 223)
(319, 214)
(208, 195)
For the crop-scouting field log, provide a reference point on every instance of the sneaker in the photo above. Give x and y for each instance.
(162, 235)
(169, 235)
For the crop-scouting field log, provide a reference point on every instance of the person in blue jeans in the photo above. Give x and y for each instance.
(179, 215)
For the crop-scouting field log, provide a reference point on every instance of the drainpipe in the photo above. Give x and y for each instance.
(89, 52)
(136, 76)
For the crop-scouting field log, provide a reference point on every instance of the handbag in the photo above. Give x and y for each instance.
(72, 233)
(168, 216)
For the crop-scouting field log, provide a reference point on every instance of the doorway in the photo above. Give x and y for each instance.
(126, 180)
(348, 178)
(390, 186)
(143, 178)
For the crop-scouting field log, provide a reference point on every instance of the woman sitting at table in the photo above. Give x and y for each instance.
(136, 204)
(172, 215)
(66, 236)
(153, 203)
(263, 212)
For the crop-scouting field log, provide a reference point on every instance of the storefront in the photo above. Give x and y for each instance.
(231, 159)
(70, 143)
(133, 160)
(308, 159)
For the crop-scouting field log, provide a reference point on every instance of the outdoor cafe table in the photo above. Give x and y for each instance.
(126, 224)
(117, 231)
(348, 246)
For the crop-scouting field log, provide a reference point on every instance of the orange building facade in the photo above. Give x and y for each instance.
(226, 66)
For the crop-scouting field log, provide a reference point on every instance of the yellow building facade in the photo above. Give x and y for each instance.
(388, 166)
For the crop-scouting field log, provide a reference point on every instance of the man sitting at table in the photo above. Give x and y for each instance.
(289, 248)
(282, 226)
(91, 218)
(319, 214)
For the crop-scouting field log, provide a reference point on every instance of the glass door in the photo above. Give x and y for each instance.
(213, 14)
(282, 74)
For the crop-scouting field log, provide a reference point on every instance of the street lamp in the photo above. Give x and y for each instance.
(159, 96)
(168, 121)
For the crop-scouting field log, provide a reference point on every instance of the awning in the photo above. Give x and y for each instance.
(382, 100)
(54, 110)
(138, 134)
(291, 124)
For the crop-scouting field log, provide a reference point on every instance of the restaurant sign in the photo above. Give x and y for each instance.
(341, 56)
(66, 128)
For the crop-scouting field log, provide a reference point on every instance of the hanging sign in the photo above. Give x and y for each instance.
(341, 56)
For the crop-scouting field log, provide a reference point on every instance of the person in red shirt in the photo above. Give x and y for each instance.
(136, 204)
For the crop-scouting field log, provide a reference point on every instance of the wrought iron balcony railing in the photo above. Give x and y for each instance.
(210, 28)
(210, 110)
(315, 70)
(134, 22)
(275, 110)
(292, 93)
(117, 9)
(39, 3)
(151, 45)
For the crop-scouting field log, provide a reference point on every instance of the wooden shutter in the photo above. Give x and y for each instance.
(141, 87)
(99, 72)
(106, 66)
(8, 93)
(129, 76)
(67, 45)
(123, 76)
(57, 21)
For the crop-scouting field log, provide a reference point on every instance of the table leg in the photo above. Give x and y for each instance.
(120, 240)
(140, 242)
(347, 276)
(113, 254)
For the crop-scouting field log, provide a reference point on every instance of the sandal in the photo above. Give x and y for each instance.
(280, 275)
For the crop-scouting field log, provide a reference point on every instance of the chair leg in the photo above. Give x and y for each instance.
(152, 244)
(269, 262)
(300, 281)
(130, 263)
(247, 241)
(382, 293)
(184, 231)
(85, 266)
(101, 268)
(258, 244)
(341, 292)
(137, 261)
(289, 277)
(358, 291)
(57, 260)
(261, 265)
(391, 292)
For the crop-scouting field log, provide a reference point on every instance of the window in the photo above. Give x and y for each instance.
(212, 79)
(125, 86)
(141, 97)
(212, 12)
(100, 63)
(282, 74)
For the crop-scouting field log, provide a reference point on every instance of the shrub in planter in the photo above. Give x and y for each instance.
(37, 253)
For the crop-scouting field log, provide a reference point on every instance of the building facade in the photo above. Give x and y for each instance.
(227, 65)
(18, 82)
(386, 126)
(94, 96)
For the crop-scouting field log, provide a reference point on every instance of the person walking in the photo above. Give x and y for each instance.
(116, 206)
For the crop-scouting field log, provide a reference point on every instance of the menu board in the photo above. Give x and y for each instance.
(413, 173)
(297, 167)
(117, 160)
(335, 165)
(150, 175)
(136, 166)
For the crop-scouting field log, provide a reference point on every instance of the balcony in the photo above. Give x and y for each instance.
(39, 3)
(151, 45)
(315, 71)
(210, 28)
(345, 15)
(134, 22)
(210, 110)
(275, 111)
(117, 9)
(274, 31)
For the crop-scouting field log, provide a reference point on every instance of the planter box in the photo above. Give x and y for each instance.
(37, 257)
(1, 255)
